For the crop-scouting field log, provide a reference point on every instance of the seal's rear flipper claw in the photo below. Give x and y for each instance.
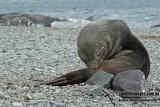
(54, 81)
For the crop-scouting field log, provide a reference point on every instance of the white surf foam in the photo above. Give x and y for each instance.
(72, 23)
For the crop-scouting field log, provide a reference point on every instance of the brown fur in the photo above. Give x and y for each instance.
(107, 45)
(122, 51)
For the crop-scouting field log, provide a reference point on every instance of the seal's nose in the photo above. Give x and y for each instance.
(93, 66)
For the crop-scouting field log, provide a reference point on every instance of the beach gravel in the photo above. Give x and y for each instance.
(31, 55)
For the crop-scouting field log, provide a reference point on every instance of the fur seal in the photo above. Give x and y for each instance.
(106, 45)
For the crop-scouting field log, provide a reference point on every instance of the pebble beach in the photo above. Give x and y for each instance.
(30, 55)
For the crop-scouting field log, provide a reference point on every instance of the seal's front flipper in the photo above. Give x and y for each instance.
(67, 79)
(70, 78)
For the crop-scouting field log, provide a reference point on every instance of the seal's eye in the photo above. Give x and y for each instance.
(84, 60)
(98, 55)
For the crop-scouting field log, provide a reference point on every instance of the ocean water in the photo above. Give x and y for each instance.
(137, 13)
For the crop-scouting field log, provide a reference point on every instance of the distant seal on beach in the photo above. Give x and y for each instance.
(106, 45)
(22, 19)
(155, 26)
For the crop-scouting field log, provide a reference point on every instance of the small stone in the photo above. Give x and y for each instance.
(55, 104)
(157, 89)
(57, 91)
(28, 97)
(4, 51)
(82, 105)
(25, 88)
(7, 103)
(16, 104)
(101, 78)
(105, 106)
(96, 90)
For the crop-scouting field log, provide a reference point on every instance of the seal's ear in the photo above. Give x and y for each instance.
(102, 48)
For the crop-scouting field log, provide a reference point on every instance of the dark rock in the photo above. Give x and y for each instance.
(155, 26)
(129, 81)
(4, 51)
(101, 78)
(21, 19)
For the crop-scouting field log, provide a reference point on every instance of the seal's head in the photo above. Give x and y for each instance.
(91, 43)
(92, 52)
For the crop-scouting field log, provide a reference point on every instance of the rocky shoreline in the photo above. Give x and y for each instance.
(31, 55)
(23, 19)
